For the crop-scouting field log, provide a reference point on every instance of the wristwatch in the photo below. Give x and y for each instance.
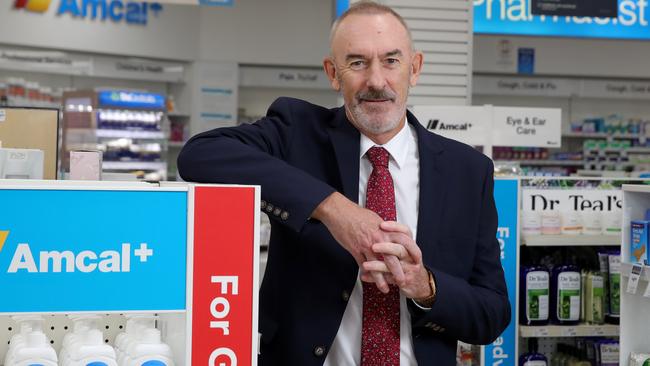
(427, 302)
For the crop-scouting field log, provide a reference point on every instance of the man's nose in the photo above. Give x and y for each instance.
(376, 77)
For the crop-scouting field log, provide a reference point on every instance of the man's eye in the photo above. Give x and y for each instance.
(357, 64)
(392, 61)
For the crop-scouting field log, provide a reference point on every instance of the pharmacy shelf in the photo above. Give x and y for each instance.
(551, 162)
(592, 135)
(176, 143)
(626, 269)
(581, 330)
(128, 134)
(571, 240)
(134, 165)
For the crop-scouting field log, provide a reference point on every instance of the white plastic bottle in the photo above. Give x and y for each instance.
(92, 351)
(85, 344)
(32, 346)
(150, 350)
(17, 341)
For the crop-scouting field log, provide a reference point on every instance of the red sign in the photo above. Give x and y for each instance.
(224, 276)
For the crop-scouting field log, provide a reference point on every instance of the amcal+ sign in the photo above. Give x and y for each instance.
(132, 12)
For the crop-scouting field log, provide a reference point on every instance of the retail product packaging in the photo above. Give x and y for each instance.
(85, 165)
(594, 300)
(609, 352)
(639, 231)
(571, 223)
(603, 260)
(592, 223)
(532, 223)
(565, 289)
(615, 285)
(612, 223)
(533, 357)
(639, 359)
(535, 283)
(551, 224)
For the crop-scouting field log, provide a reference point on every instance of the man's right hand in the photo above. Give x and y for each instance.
(356, 229)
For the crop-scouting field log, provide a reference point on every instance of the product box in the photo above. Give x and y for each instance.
(85, 165)
(639, 231)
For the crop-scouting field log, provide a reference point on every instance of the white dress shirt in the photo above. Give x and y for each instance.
(404, 167)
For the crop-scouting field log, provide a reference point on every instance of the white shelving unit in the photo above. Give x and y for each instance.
(635, 309)
(571, 240)
(134, 165)
(129, 134)
(552, 162)
(582, 330)
(596, 135)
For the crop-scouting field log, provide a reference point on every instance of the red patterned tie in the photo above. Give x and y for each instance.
(380, 332)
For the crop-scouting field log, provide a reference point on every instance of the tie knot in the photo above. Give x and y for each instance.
(378, 157)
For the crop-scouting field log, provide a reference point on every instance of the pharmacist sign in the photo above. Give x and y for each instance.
(515, 17)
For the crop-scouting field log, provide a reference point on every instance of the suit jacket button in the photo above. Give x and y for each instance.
(269, 208)
(319, 351)
(345, 296)
(277, 211)
(262, 204)
(284, 215)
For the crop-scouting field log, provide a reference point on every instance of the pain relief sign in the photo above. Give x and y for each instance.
(224, 275)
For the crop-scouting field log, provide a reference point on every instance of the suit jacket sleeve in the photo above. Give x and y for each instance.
(475, 310)
(253, 154)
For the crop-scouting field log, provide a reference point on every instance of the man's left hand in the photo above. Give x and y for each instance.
(403, 255)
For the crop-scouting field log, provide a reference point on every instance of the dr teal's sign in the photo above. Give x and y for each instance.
(596, 200)
(131, 12)
(515, 17)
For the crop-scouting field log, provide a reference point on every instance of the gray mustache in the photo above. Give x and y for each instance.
(376, 94)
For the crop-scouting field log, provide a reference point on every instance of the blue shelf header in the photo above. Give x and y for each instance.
(129, 99)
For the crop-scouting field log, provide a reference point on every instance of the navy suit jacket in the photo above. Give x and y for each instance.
(300, 153)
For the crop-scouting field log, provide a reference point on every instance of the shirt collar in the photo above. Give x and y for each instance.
(397, 147)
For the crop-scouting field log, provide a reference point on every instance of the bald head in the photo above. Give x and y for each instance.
(368, 8)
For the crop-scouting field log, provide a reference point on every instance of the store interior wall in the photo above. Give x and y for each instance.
(566, 56)
(279, 32)
(172, 36)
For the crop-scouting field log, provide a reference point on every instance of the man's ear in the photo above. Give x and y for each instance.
(416, 67)
(330, 71)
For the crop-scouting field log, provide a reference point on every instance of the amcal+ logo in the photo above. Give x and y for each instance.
(39, 6)
(132, 12)
(435, 124)
(86, 261)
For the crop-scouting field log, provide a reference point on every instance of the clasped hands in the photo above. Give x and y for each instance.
(384, 250)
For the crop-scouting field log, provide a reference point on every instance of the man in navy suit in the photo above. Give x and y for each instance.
(344, 284)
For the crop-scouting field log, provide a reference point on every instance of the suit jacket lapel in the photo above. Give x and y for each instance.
(345, 142)
(432, 189)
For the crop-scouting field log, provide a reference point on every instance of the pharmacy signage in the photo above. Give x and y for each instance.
(131, 12)
(515, 17)
(224, 275)
(92, 250)
(503, 351)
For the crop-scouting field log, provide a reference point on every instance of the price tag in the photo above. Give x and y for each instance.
(633, 282)
(598, 331)
(541, 332)
(569, 332)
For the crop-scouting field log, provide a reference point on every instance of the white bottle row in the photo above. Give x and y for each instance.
(139, 344)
